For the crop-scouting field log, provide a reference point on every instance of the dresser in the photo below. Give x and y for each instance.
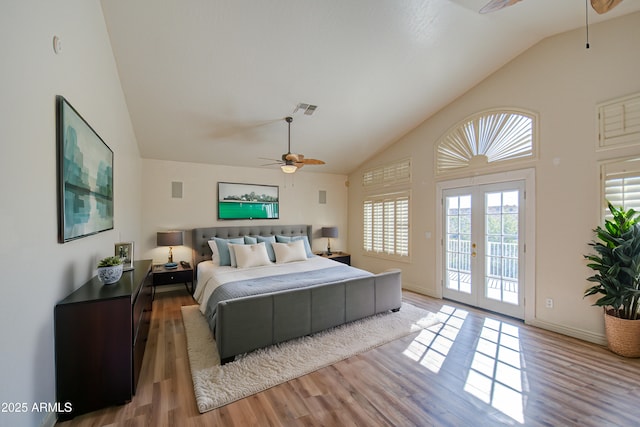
(100, 337)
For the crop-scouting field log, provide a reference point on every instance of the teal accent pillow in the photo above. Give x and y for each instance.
(249, 240)
(224, 254)
(268, 240)
(287, 239)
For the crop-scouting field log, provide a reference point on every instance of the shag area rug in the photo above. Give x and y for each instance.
(215, 385)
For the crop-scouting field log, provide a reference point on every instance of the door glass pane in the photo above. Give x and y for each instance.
(458, 243)
(501, 254)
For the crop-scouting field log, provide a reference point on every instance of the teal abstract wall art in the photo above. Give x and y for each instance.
(248, 201)
(85, 176)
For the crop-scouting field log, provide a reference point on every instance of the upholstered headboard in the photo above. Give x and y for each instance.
(201, 236)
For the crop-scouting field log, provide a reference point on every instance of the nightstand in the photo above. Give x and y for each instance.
(170, 276)
(339, 256)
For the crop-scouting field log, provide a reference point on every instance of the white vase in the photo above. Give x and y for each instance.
(109, 275)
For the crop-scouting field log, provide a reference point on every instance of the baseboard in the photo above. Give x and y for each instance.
(572, 332)
(419, 290)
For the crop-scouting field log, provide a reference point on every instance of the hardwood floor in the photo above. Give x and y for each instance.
(474, 369)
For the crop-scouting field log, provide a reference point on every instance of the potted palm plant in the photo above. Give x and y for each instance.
(616, 263)
(110, 270)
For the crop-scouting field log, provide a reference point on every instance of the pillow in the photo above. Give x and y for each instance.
(215, 257)
(305, 239)
(268, 240)
(232, 253)
(221, 254)
(252, 255)
(249, 240)
(289, 252)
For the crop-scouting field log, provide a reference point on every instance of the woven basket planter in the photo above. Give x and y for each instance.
(623, 335)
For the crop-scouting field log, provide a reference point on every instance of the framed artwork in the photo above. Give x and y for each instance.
(85, 176)
(247, 201)
(124, 251)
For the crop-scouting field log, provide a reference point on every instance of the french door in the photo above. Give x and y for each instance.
(483, 246)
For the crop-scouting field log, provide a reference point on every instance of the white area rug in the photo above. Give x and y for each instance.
(216, 385)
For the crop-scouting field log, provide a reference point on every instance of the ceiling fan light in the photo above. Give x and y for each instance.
(288, 168)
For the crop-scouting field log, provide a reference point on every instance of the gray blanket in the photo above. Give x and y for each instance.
(269, 284)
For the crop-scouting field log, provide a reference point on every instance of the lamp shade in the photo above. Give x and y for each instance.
(169, 238)
(330, 232)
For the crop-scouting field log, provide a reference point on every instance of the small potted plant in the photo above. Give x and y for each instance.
(617, 279)
(110, 270)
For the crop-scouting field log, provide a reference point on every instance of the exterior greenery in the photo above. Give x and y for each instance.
(617, 264)
(109, 261)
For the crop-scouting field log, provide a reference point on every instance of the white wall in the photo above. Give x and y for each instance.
(563, 82)
(37, 271)
(299, 202)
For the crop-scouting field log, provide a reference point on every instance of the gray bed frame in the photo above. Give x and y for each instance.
(248, 323)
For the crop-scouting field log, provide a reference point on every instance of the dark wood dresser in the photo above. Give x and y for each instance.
(100, 337)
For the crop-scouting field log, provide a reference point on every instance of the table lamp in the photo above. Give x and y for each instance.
(169, 238)
(329, 232)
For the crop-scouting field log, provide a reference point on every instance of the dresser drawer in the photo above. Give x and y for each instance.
(169, 277)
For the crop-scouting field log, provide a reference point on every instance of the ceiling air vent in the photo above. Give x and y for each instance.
(307, 108)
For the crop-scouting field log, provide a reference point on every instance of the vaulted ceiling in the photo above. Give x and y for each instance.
(211, 81)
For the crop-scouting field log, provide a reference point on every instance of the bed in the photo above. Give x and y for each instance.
(262, 305)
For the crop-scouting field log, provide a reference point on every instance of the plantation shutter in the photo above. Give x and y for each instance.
(402, 226)
(368, 226)
(390, 174)
(485, 138)
(621, 185)
(619, 121)
(378, 227)
(386, 225)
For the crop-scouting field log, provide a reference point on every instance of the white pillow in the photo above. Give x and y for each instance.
(215, 256)
(289, 252)
(251, 255)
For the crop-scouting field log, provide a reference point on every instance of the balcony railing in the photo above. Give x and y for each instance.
(501, 258)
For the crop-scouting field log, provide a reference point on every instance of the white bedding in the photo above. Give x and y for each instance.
(210, 276)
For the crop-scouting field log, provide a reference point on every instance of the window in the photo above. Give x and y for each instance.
(390, 174)
(619, 122)
(620, 185)
(486, 138)
(386, 225)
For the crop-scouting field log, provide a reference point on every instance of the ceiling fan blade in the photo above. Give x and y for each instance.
(495, 5)
(604, 6)
(299, 164)
(312, 162)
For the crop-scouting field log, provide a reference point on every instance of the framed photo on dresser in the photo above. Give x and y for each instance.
(124, 251)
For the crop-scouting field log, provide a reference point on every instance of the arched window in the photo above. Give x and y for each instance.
(485, 138)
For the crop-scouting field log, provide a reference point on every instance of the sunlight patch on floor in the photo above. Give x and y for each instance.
(431, 347)
(495, 375)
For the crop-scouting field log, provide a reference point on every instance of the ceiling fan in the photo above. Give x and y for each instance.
(291, 162)
(600, 6)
